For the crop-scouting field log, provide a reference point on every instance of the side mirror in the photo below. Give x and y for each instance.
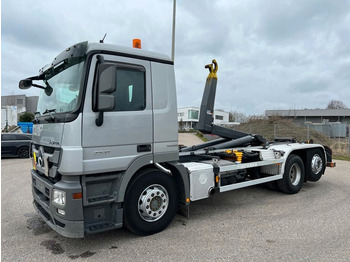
(25, 84)
(106, 74)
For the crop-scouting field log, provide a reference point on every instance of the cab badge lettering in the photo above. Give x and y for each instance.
(53, 142)
(102, 152)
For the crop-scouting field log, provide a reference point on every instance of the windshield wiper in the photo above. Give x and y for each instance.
(49, 111)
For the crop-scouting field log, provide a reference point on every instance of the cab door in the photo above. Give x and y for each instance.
(127, 132)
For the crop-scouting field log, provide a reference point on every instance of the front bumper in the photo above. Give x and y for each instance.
(71, 226)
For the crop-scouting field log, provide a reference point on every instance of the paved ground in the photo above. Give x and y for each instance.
(189, 139)
(252, 224)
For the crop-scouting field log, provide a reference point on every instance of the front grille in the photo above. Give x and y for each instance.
(42, 197)
(47, 149)
(43, 211)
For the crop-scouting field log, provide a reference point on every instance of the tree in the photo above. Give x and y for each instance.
(336, 104)
(235, 116)
(26, 117)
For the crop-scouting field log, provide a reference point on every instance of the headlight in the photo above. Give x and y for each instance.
(59, 198)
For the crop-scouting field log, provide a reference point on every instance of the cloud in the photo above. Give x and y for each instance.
(271, 55)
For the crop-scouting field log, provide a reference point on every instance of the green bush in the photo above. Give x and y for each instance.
(26, 117)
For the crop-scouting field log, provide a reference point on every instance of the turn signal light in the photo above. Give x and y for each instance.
(77, 195)
(331, 164)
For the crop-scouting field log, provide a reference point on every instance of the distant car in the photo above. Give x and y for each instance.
(16, 145)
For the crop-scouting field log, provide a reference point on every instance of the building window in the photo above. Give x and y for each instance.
(219, 117)
(193, 114)
(180, 114)
(19, 101)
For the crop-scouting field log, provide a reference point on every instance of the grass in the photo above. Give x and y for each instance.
(200, 136)
(341, 157)
(269, 128)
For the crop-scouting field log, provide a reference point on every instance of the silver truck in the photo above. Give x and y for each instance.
(105, 145)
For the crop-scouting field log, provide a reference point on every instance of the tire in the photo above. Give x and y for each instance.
(293, 177)
(23, 152)
(154, 187)
(316, 165)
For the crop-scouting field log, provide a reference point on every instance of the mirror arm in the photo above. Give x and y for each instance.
(99, 119)
(38, 86)
(100, 59)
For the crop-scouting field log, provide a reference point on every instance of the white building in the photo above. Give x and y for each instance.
(188, 117)
(8, 116)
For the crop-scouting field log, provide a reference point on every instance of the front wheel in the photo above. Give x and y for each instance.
(294, 175)
(150, 202)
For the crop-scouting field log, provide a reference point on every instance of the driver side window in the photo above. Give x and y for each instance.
(130, 94)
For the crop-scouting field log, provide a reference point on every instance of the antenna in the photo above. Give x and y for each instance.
(101, 41)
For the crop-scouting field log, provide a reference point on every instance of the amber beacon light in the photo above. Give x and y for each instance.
(136, 43)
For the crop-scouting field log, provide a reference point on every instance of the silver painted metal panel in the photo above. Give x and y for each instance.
(111, 158)
(120, 133)
(48, 134)
(164, 109)
(72, 153)
(71, 160)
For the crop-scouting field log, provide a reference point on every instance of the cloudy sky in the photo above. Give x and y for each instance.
(271, 54)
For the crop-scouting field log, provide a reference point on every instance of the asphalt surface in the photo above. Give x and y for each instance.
(251, 224)
(189, 139)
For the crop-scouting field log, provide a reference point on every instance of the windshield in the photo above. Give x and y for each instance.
(65, 84)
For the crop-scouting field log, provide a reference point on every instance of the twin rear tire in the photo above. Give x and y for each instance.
(295, 171)
(316, 165)
(150, 202)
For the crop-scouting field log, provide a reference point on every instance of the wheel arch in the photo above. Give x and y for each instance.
(135, 168)
(305, 154)
(177, 170)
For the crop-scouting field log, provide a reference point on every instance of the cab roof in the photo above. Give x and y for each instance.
(129, 52)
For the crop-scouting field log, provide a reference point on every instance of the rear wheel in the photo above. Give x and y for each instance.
(316, 165)
(293, 177)
(150, 202)
(23, 152)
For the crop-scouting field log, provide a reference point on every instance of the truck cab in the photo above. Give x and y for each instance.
(75, 136)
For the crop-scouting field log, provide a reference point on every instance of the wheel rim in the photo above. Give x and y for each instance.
(316, 164)
(153, 203)
(295, 174)
(23, 152)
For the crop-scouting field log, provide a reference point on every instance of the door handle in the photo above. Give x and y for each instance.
(143, 148)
